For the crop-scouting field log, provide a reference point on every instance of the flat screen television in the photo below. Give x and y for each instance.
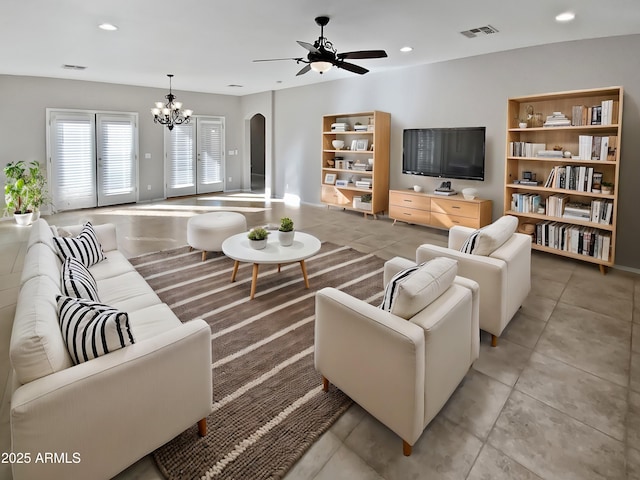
(444, 152)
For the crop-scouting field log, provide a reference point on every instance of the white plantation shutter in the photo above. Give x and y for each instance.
(116, 159)
(210, 151)
(73, 166)
(180, 146)
(93, 158)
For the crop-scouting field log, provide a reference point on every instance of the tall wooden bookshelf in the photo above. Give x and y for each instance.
(593, 114)
(358, 164)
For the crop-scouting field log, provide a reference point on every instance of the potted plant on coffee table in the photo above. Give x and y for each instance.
(258, 238)
(15, 192)
(286, 232)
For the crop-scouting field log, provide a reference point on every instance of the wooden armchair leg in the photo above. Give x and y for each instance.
(204, 255)
(406, 448)
(325, 384)
(202, 427)
(494, 341)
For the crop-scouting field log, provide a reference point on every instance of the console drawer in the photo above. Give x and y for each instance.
(444, 220)
(409, 215)
(455, 207)
(404, 199)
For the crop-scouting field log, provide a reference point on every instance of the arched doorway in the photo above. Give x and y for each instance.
(257, 136)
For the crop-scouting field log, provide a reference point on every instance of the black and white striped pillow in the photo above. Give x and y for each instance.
(91, 329)
(471, 242)
(85, 247)
(393, 287)
(77, 281)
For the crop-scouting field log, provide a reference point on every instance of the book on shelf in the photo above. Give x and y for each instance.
(593, 147)
(557, 119)
(525, 202)
(576, 239)
(525, 149)
(596, 115)
(556, 204)
(549, 154)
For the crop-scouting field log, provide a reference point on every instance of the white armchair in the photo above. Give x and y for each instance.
(504, 275)
(401, 371)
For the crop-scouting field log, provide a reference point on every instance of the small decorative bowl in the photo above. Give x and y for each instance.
(469, 193)
(337, 144)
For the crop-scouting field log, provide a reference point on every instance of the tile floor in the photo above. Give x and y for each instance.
(559, 398)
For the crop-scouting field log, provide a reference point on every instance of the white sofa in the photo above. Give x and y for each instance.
(102, 415)
(504, 275)
(400, 371)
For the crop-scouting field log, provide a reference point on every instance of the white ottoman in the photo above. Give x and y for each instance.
(207, 231)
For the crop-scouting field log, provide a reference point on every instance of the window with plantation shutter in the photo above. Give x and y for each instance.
(180, 147)
(92, 158)
(116, 159)
(195, 157)
(73, 160)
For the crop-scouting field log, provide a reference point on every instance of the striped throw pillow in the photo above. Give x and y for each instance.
(413, 289)
(486, 240)
(91, 329)
(85, 247)
(77, 280)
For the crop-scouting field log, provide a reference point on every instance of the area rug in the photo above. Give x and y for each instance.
(268, 404)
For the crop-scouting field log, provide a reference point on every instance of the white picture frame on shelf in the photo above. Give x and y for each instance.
(330, 178)
(342, 183)
(362, 145)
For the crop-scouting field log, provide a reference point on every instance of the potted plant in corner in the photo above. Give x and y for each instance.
(286, 232)
(15, 192)
(607, 188)
(36, 190)
(258, 238)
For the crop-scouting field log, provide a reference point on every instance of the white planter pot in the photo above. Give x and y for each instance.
(258, 244)
(23, 218)
(35, 215)
(286, 238)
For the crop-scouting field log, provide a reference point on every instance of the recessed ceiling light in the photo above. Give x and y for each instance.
(565, 17)
(406, 49)
(108, 26)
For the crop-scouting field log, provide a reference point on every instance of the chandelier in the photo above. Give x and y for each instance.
(170, 114)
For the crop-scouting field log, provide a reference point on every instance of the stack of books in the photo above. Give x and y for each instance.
(360, 128)
(339, 127)
(549, 153)
(558, 119)
(577, 211)
(604, 114)
(575, 239)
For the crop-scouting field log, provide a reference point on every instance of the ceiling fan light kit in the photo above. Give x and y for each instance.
(171, 113)
(322, 55)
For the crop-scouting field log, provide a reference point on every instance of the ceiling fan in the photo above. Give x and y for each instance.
(322, 55)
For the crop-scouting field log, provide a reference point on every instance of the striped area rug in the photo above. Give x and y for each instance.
(268, 405)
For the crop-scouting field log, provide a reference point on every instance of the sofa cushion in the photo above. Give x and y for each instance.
(151, 321)
(37, 348)
(85, 247)
(91, 329)
(41, 232)
(414, 288)
(487, 239)
(127, 292)
(77, 281)
(41, 260)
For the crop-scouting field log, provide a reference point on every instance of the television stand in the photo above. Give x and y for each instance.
(436, 210)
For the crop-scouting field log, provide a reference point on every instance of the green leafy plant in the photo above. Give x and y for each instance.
(607, 184)
(286, 224)
(36, 188)
(15, 188)
(258, 234)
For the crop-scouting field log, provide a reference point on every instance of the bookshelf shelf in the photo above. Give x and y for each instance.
(594, 138)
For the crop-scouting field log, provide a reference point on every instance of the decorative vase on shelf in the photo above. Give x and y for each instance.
(337, 144)
(522, 125)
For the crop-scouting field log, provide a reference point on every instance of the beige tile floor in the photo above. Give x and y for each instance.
(559, 398)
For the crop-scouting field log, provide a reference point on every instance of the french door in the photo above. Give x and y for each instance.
(92, 158)
(195, 157)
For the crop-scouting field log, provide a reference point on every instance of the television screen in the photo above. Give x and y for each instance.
(444, 152)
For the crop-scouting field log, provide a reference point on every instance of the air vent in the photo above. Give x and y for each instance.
(73, 67)
(234, 85)
(474, 32)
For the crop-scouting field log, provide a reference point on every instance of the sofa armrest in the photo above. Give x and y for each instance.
(115, 409)
(374, 357)
(395, 265)
(105, 232)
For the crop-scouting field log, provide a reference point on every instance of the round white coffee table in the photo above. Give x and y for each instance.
(237, 248)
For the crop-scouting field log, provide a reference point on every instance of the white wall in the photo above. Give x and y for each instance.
(467, 92)
(25, 99)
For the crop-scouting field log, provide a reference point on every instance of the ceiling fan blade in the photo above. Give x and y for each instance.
(277, 59)
(363, 54)
(308, 46)
(304, 70)
(352, 67)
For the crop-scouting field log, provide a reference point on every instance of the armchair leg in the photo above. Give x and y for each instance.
(406, 448)
(325, 384)
(202, 427)
(204, 255)
(494, 341)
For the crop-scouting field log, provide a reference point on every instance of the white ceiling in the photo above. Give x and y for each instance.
(210, 44)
